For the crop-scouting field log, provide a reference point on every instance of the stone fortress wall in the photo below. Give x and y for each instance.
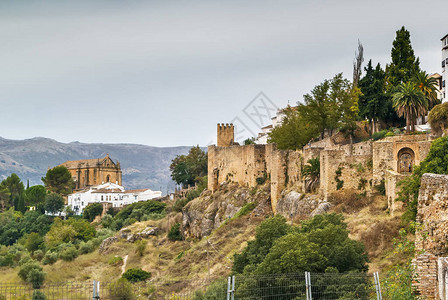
(431, 247)
(358, 166)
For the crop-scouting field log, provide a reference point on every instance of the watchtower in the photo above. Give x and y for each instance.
(226, 135)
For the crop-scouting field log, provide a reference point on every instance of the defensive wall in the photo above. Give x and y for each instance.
(431, 261)
(358, 166)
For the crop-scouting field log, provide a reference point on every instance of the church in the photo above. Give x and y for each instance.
(90, 172)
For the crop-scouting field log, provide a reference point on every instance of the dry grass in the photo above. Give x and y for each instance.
(349, 201)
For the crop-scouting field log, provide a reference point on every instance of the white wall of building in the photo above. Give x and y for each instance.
(108, 192)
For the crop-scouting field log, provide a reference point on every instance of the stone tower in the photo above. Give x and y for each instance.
(226, 135)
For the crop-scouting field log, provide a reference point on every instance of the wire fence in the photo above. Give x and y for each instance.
(304, 286)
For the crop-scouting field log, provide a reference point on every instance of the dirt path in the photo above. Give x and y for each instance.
(123, 267)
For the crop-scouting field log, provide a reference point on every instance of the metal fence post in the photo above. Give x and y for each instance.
(309, 295)
(94, 295)
(233, 287)
(229, 279)
(376, 277)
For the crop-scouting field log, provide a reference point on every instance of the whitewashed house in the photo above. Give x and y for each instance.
(113, 194)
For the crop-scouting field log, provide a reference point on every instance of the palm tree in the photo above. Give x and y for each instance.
(409, 101)
(428, 85)
(311, 172)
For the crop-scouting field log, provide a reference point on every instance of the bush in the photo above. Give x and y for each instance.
(92, 210)
(38, 295)
(38, 255)
(140, 247)
(247, 208)
(379, 135)
(50, 258)
(174, 233)
(86, 247)
(115, 261)
(121, 290)
(32, 272)
(68, 253)
(136, 275)
(107, 220)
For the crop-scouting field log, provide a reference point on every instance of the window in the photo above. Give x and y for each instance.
(443, 83)
(101, 197)
(443, 63)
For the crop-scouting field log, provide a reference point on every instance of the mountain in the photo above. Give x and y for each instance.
(142, 166)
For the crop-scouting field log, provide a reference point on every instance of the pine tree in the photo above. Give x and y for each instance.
(404, 64)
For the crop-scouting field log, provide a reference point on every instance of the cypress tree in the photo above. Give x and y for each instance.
(404, 64)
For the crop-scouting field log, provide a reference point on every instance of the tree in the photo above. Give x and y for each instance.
(266, 234)
(311, 172)
(59, 180)
(357, 64)
(54, 203)
(404, 64)
(32, 272)
(35, 195)
(33, 242)
(428, 85)
(438, 118)
(294, 132)
(320, 109)
(92, 210)
(410, 102)
(373, 101)
(187, 169)
(15, 187)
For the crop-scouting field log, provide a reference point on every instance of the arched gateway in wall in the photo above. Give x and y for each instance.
(406, 160)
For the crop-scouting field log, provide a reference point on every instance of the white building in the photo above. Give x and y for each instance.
(277, 120)
(444, 64)
(111, 193)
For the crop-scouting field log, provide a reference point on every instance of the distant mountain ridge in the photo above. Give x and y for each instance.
(142, 166)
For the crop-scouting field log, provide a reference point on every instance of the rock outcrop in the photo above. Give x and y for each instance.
(207, 212)
(127, 234)
(298, 205)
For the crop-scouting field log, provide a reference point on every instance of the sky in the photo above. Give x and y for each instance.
(164, 73)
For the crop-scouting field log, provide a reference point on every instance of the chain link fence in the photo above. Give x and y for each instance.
(306, 286)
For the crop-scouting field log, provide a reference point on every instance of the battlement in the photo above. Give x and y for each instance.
(226, 134)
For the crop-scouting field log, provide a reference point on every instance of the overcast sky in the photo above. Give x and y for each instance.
(163, 73)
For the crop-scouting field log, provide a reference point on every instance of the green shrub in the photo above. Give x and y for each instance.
(136, 275)
(121, 290)
(32, 272)
(38, 295)
(68, 253)
(107, 220)
(174, 233)
(115, 261)
(379, 135)
(260, 180)
(92, 210)
(50, 258)
(140, 247)
(86, 247)
(38, 255)
(245, 210)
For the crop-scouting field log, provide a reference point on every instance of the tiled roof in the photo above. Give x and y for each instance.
(136, 191)
(73, 164)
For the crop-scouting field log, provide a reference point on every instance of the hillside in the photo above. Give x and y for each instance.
(142, 166)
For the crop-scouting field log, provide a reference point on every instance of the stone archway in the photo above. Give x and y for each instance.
(406, 160)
